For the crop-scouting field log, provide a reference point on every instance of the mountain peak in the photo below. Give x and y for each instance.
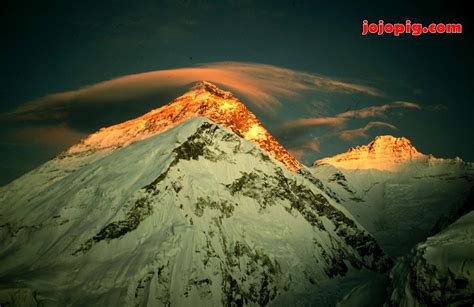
(390, 139)
(204, 99)
(397, 145)
(206, 86)
(385, 152)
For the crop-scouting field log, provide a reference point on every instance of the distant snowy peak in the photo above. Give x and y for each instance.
(385, 152)
(203, 100)
(399, 147)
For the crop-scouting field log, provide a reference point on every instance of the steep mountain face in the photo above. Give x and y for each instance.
(383, 153)
(395, 192)
(204, 99)
(438, 272)
(195, 215)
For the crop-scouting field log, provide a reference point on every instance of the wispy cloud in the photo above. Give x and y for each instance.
(309, 146)
(356, 88)
(437, 107)
(340, 119)
(362, 132)
(316, 121)
(57, 135)
(264, 86)
(298, 153)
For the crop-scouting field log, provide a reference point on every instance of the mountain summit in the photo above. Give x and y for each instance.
(204, 99)
(385, 152)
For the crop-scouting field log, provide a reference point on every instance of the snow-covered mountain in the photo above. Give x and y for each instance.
(397, 193)
(173, 209)
(403, 196)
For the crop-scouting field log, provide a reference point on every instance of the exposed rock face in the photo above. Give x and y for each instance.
(383, 153)
(204, 99)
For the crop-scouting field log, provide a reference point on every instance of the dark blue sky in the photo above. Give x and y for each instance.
(56, 46)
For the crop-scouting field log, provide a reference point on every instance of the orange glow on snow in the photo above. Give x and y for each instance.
(204, 100)
(384, 153)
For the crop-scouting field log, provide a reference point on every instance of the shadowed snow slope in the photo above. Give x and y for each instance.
(439, 271)
(195, 215)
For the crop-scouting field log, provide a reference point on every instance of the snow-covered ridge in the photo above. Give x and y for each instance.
(203, 99)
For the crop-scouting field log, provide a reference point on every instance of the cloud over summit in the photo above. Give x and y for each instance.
(263, 86)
